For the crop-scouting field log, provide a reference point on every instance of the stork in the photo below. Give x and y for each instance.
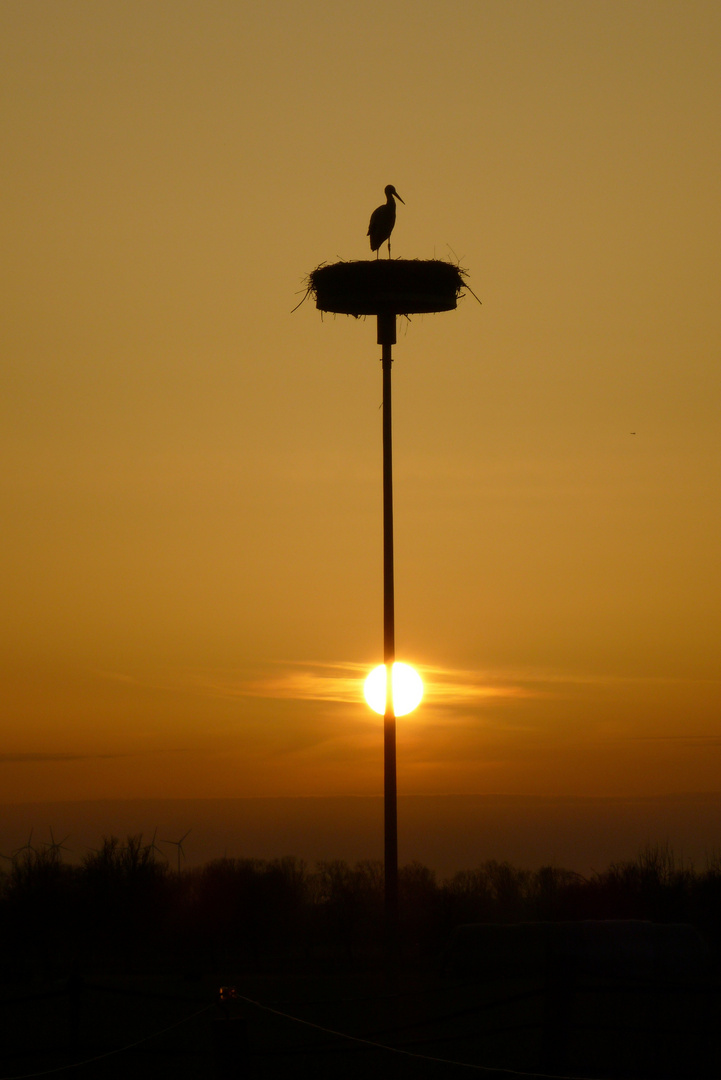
(382, 221)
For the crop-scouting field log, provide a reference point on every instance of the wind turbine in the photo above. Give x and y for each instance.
(179, 845)
(26, 847)
(10, 858)
(153, 847)
(56, 846)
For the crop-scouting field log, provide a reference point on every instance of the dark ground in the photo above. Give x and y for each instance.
(113, 969)
(598, 1029)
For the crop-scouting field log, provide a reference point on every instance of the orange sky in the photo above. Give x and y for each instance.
(191, 487)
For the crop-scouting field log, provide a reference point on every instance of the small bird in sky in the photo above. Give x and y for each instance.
(382, 221)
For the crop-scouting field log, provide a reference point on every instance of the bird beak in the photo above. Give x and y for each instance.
(398, 197)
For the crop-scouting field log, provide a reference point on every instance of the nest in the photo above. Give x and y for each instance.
(387, 286)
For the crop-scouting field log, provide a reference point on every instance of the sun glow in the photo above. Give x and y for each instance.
(407, 688)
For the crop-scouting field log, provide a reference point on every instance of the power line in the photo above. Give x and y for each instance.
(407, 1053)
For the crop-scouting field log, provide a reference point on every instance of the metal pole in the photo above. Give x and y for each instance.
(387, 338)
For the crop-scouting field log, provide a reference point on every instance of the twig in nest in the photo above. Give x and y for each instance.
(307, 291)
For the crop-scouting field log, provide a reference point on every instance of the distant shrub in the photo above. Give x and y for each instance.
(123, 907)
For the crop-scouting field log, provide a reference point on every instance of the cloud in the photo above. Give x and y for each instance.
(114, 676)
(707, 740)
(31, 758)
(41, 757)
(453, 686)
(293, 682)
(343, 683)
(445, 688)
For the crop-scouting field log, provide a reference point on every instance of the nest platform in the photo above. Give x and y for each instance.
(387, 286)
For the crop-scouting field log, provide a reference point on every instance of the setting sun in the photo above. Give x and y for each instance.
(407, 689)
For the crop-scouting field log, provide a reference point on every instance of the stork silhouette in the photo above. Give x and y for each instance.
(382, 221)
